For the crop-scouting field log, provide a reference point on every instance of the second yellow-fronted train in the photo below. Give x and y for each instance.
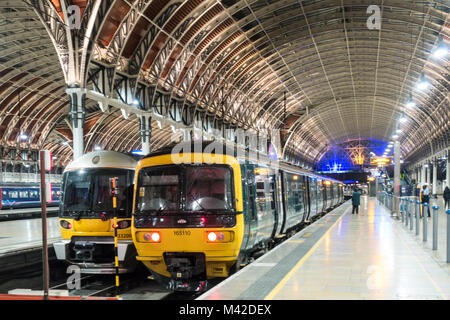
(203, 214)
(86, 213)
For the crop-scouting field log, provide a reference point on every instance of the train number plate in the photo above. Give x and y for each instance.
(181, 232)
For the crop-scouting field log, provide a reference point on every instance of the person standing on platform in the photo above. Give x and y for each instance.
(447, 197)
(356, 197)
(426, 198)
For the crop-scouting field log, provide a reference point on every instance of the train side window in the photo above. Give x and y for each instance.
(34, 194)
(23, 194)
(251, 196)
(272, 193)
(13, 194)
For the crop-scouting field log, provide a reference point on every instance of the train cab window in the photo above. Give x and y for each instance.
(5, 193)
(192, 188)
(13, 194)
(89, 190)
(208, 188)
(159, 189)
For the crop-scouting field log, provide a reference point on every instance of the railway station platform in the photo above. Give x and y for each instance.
(370, 256)
(26, 234)
(21, 241)
(26, 213)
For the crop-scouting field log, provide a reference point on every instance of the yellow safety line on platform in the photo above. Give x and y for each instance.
(436, 286)
(302, 260)
(295, 241)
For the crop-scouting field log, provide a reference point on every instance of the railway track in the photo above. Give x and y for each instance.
(136, 286)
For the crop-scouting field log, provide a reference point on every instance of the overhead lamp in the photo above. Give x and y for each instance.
(441, 50)
(23, 136)
(398, 130)
(423, 83)
(135, 102)
(395, 136)
(97, 148)
(403, 118)
(410, 103)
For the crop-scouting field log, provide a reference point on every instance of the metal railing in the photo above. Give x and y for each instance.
(412, 211)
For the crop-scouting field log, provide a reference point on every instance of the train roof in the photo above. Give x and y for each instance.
(222, 148)
(103, 159)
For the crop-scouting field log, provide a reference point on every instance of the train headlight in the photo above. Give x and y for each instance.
(214, 236)
(65, 224)
(153, 236)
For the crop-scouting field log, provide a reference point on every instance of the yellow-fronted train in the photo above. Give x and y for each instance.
(86, 213)
(203, 211)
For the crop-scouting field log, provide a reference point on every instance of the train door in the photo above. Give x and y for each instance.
(283, 201)
(249, 193)
(306, 204)
(335, 194)
(321, 199)
(266, 212)
(329, 191)
(312, 197)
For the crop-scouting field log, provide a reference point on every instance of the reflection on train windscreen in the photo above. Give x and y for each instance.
(89, 190)
(204, 188)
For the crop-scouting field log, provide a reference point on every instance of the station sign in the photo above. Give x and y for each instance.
(380, 160)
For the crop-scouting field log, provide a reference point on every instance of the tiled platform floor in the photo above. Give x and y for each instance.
(365, 256)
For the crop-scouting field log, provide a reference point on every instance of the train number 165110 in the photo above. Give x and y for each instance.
(181, 232)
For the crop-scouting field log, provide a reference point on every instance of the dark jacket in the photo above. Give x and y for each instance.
(425, 198)
(447, 193)
(356, 197)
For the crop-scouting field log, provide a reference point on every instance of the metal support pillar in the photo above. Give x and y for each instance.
(448, 236)
(448, 169)
(435, 227)
(187, 134)
(422, 175)
(145, 132)
(411, 219)
(425, 223)
(435, 164)
(417, 218)
(77, 116)
(395, 209)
